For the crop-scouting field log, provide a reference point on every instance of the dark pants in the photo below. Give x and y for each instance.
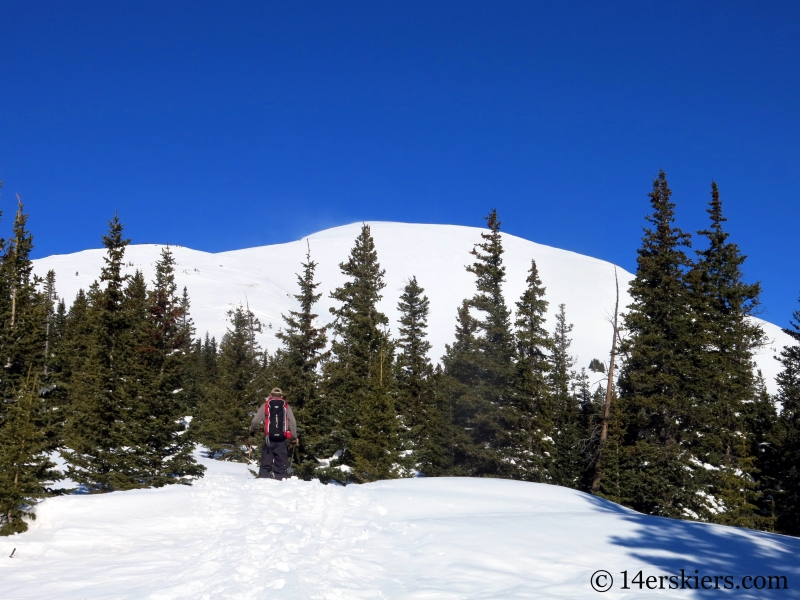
(274, 459)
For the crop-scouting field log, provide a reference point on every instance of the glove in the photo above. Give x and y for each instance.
(288, 435)
(252, 433)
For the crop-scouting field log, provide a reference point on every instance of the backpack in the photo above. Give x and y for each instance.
(275, 419)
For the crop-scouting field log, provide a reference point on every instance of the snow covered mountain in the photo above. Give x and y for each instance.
(264, 278)
(232, 536)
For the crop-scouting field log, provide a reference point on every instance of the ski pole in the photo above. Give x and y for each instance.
(291, 458)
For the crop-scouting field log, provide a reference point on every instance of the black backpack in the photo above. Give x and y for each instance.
(275, 419)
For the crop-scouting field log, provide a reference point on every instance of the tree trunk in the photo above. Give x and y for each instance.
(609, 391)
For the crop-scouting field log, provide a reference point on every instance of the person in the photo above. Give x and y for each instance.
(279, 425)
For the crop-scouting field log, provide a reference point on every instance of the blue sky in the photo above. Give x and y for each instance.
(226, 125)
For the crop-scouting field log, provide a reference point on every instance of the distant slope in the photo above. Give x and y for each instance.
(232, 536)
(264, 278)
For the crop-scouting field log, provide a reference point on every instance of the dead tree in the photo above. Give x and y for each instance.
(609, 391)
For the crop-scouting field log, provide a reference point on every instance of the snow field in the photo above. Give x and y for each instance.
(232, 536)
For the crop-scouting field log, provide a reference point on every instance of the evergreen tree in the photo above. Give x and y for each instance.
(493, 413)
(24, 465)
(567, 467)
(225, 414)
(25, 417)
(660, 353)
(534, 404)
(295, 368)
(416, 400)
(303, 342)
(52, 322)
(358, 379)
(100, 453)
(68, 356)
(161, 357)
(189, 348)
(787, 469)
(724, 385)
(24, 310)
(454, 387)
(590, 414)
(764, 429)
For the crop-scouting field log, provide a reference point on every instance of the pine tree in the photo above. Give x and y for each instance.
(454, 387)
(416, 399)
(26, 419)
(295, 368)
(68, 356)
(189, 347)
(764, 433)
(224, 416)
(660, 353)
(161, 342)
(52, 330)
(100, 453)
(566, 468)
(358, 378)
(24, 464)
(724, 384)
(494, 412)
(303, 342)
(534, 404)
(787, 442)
(590, 414)
(24, 309)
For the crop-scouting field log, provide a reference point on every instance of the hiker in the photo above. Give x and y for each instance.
(279, 426)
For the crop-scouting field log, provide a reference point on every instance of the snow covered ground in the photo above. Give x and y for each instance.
(264, 278)
(232, 536)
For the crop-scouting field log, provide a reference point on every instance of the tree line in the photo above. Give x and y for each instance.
(123, 388)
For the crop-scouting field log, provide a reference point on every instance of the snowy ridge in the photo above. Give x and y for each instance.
(264, 278)
(232, 536)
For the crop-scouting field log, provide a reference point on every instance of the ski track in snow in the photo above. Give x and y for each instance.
(232, 536)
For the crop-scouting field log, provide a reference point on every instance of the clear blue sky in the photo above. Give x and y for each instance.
(232, 124)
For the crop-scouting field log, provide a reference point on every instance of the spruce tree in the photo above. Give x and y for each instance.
(52, 330)
(590, 413)
(223, 418)
(188, 347)
(358, 379)
(68, 356)
(161, 354)
(493, 413)
(566, 468)
(416, 399)
(24, 309)
(26, 418)
(764, 434)
(100, 454)
(295, 368)
(24, 464)
(533, 441)
(787, 440)
(303, 342)
(659, 359)
(724, 385)
(454, 387)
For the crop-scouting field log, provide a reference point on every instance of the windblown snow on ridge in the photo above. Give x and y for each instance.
(264, 279)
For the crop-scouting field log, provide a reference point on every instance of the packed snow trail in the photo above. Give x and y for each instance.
(232, 536)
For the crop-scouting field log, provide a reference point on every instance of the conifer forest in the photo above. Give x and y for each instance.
(120, 384)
